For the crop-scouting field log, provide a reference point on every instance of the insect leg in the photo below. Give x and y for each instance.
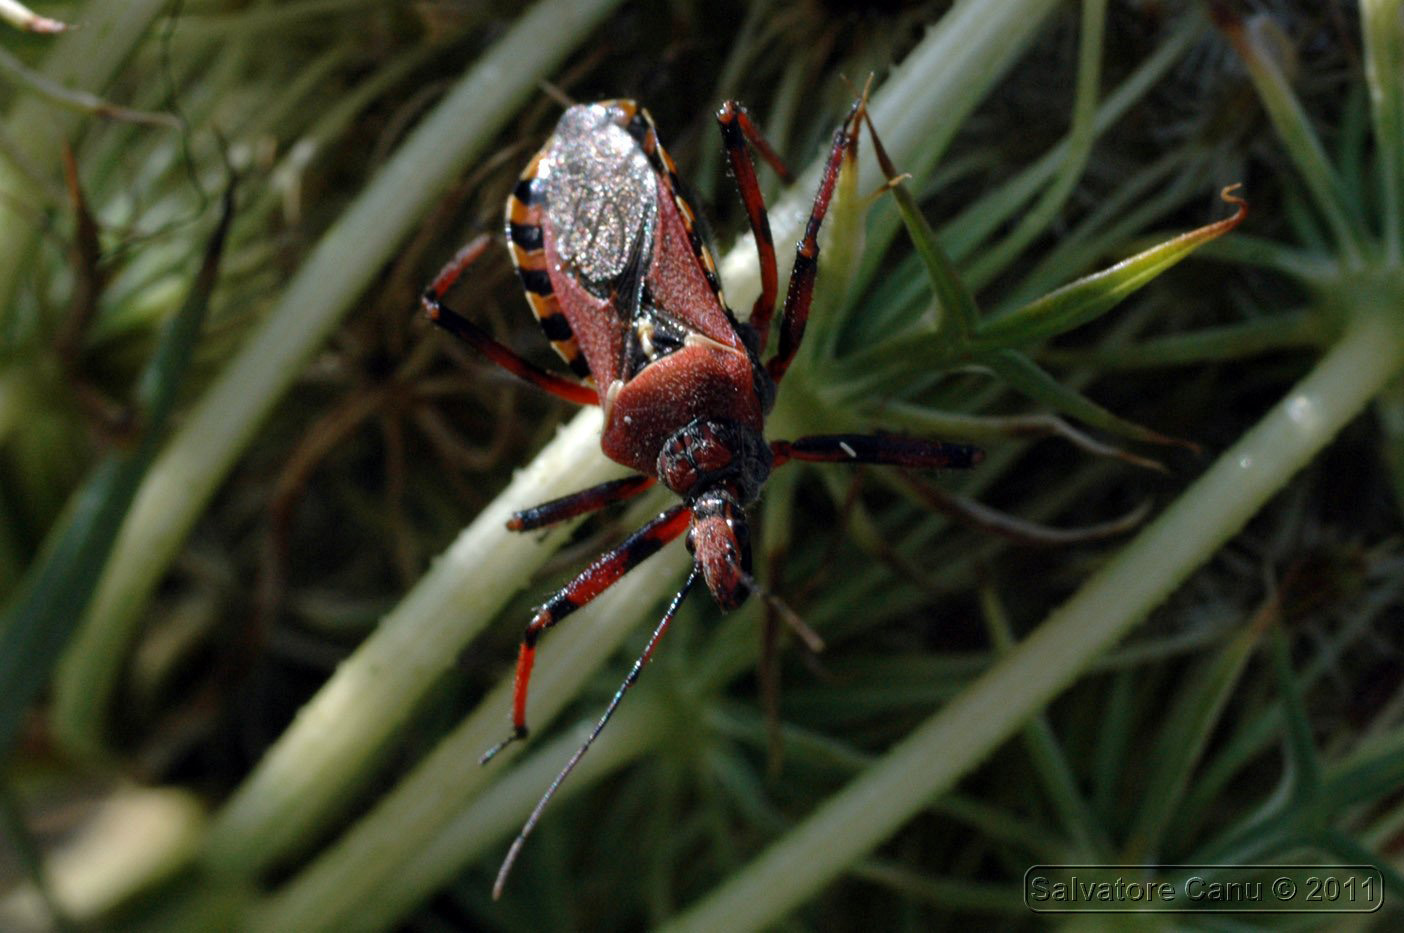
(589, 583)
(629, 681)
(472, 334)
(579, 503)
(736, 129)
(883, 449)
(800, 293)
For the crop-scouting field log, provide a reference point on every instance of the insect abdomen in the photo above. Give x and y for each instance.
(526, 244)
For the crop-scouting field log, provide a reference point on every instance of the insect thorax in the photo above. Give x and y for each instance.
(653, 334)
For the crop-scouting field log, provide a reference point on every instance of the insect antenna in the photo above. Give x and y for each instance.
(555, 92)
(629, 681)
(491, 753)
(801, 628)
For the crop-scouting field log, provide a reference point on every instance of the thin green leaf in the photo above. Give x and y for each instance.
(1304, 765)
(1188, 727)
(1122, 216)
(1026, 377)
(967, 730)
(1384, 66)
(1050, 762)
(1036, 221)
(955, 305)
(968, 231)
(986, 428)
(1256, 43)
(1288, 330)
(1351, 852)
(974, 514)
(949, 895)
(1363, 779)
(1290, 260)
(1091, 296)
(1111, 757)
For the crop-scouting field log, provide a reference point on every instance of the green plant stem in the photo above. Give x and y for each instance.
(499, 812)
(1086, 837)
(1108, 605)
(328, 752)
(80, 101)
(191, 467)
(414, 840)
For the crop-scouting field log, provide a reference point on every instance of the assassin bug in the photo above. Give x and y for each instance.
(619, 273)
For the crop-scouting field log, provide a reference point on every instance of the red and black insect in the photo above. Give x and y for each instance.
(618, 271)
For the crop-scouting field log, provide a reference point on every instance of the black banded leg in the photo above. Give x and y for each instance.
(736, 129)
(881, 449)
(800, 294)
(579, 503)
(476, 337)
(588, 584)
(629, 681)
